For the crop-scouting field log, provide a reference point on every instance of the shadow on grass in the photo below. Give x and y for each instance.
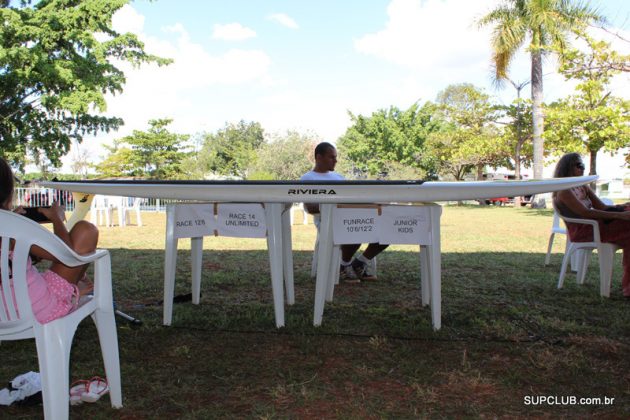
(507, 333)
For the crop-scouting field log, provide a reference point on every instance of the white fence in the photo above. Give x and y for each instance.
(34, 197)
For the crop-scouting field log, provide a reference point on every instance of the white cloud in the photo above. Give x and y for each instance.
(127, 19)
(191, 90)
(232, 32)
(428, 45)
(423, 35)
(283, 19)
(438, 47)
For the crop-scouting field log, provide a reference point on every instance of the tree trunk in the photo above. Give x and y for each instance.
(517, 168)
(593, 168)
(537, 121)
(480, 172)
(537, 113)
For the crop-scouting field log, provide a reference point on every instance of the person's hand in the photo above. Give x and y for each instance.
(55, 212)
(19, 210)
(624, 215)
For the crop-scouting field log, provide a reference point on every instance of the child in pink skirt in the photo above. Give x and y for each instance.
(54, 292)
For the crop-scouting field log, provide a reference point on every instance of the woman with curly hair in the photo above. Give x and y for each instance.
(582, 203)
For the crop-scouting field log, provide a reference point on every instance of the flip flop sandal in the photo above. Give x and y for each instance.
(77, 389)
(97, 387)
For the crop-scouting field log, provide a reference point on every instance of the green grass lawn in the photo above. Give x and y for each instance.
(507, 332)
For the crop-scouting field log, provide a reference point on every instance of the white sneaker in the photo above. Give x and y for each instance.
(347, 275)
(363, 270)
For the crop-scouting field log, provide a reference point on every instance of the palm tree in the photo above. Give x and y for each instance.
(546, 25)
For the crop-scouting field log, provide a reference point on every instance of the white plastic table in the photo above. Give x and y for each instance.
(277, 193)
(430, 266)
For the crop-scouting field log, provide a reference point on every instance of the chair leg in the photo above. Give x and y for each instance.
(53, 351)
(548, 256)
(583, 261)
(575, 257)
(106, 327)
(565, 263)
(606, 254)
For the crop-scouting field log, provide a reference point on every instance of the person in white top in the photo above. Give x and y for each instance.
(353, 270)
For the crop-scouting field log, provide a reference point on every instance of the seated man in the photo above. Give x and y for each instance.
(353, 270)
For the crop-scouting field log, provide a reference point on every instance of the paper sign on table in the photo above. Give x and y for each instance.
(405, 225)
(354, 225)
(194, 220)
(241, 220)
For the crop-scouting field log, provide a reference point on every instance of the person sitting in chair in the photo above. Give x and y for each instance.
(352, 270)
(582, 203)
(56, 291)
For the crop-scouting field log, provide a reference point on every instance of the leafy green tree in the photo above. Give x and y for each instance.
(470, 138)
(56, 65)
(284, 157)
(372, 143)
(592, 119)
(118, 163)
(156, 153)
(232, 150)
(518, 133)
(545, 25)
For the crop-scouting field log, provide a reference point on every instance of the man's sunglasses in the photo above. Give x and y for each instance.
(580, 165)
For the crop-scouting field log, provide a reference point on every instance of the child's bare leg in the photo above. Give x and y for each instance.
(84, 236)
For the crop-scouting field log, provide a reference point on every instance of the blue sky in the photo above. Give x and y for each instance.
(302, 65)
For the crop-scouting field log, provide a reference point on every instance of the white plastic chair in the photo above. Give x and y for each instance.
(54, 339)
(298, 207)
(605, 251)
(576, 258)
(101, 211)
(128, 210)
(336, 259)
(556, 229)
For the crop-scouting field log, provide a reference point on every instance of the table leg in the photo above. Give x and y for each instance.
(196, 251)
(170, 261)
(287, 256)
(324, 266)
(424, 275)
(274, 243)
(435, 268)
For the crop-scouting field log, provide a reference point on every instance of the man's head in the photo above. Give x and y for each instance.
(325, 157)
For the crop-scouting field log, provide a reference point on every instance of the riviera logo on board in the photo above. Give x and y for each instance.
(311, 191)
